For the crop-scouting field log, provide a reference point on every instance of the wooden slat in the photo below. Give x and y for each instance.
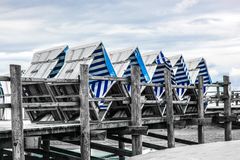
(17, 121)
(163, 85)
(136, 112)
(122, 79)
(51, 104)
(111, 149)
(200, 110)
(121, 145)
(169, 105)
(183, 141)
(48, 80)
(127, 140)
(84, 113)
(5, 105)
(107, 99)
(4, 78)
(227, 107)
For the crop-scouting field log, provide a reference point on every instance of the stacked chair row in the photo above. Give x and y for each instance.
(64, 63)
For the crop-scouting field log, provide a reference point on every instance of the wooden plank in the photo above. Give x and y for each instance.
(136, 113)
(48, 80)
(218, 96)
(107, 99)
(237, 98)
(32, 142)
(184, 87)
(127, 140)
(121, 145)
(227, 107)
(4, 78)
(122, 79)
(162, 85)
(106, 148)
(98, 135)
(183, 141)
(111, 149)
(184, 102)
(218, 84)
(84, 113)
(200, 110)
(131, 130)
(163, 101)
(6, 105)
(46, 148)
(17, 117)
(50, 104)
(169, 108)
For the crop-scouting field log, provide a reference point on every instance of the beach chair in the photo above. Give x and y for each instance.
(122, 61)
(182, 77)
(156, 63)
(1, 102)
(45, 64)
(198, 67)
(96, 57)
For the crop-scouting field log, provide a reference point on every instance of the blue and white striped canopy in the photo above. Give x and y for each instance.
(1, 94)
(199, 66)
(47, 63)
(101, 66)
(94, 55)
(158, 76)
(123, 60)
(203, 71)
(181, 74)
(60, 63)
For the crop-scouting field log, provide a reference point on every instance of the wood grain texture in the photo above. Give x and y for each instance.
(17, 117)
(136, 113)
(227, 107)
(169, 108)
(84, 114)
(200, 110)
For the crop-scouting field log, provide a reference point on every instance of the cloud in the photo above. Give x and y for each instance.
(235, 72)
(194, 28)
(184, 5)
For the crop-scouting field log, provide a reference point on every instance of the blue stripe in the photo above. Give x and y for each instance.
(60, 63)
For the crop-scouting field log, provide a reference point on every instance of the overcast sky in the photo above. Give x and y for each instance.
(194, 28)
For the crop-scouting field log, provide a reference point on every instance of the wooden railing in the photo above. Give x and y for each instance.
(135, 101)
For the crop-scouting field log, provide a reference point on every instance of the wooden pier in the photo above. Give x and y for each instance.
(21, 139)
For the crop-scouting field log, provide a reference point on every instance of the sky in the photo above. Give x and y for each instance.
(193, 28)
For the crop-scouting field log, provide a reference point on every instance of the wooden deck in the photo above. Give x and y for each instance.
(35, 129)
(79, 127)
(209, 151)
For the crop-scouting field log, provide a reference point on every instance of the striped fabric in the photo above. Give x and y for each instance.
(100, 66)
(136, 59)
(158, 76)
(204, 72)
(60, 63)
(181, 76)
(1, 94)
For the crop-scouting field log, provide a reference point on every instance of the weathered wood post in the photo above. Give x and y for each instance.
(46, 148)
(227, 107)
(169, 106)
(218, 96)
(200, 110)
(121, 145)
(136, 113)
(1, 154)
(237, 96)
(84, 114)
(17, 117)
